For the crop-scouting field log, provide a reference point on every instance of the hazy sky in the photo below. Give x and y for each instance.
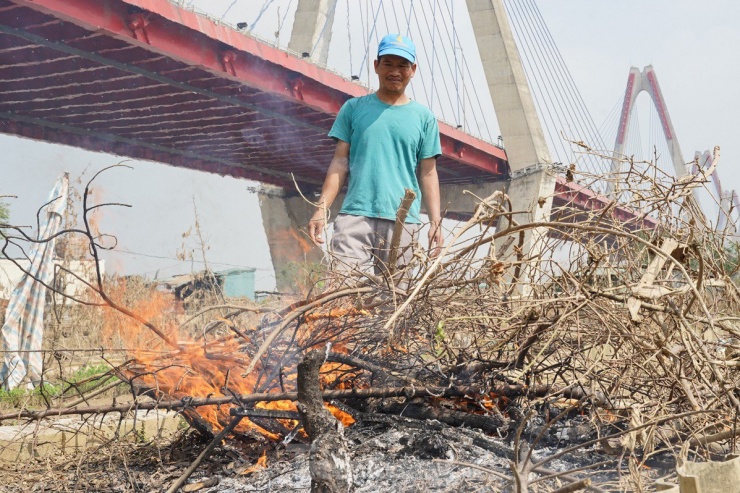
(690, 44)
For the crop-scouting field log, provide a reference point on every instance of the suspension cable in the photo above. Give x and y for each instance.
(349, 42)
(477, 97)
(282, 21)
(227, 10)
(370, 35)
(408, 23)
(610, 121)
(264, 8)
(585, 120)
(451, 66)
(435, 56)
(454, 53)
(575, 116)
(366, 39)
(433, 88)
(534, 82)
(545, 78)
(448, 91)
(434, 49)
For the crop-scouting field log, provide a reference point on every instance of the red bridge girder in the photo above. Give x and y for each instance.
(574, 196)
(150, 80)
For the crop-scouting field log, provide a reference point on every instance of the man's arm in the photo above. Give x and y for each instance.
(335, 177)
(429, 184)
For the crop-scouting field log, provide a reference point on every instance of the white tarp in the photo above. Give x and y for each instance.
(23, 331)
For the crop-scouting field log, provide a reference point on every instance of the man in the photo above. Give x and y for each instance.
(383, 140)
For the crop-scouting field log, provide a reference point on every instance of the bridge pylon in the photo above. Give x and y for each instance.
(532, 183)
(637, 82)
(285, 215)
(312, 26)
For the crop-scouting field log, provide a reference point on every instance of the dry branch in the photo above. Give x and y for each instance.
(631, 325)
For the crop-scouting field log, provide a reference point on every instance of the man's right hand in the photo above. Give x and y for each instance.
(335, 176)
(316, 227)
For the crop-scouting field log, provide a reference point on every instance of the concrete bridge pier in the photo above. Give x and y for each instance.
(456, 202)
(312, 28)
(285, 217)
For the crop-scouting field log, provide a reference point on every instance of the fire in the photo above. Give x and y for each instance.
(480, 404)
(155, 306)
(341, 416)
(260, 464)
(214, 368)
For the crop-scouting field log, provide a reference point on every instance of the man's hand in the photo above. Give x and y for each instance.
(429, 183)
(316, 226)
(435, 239)
(335, 176)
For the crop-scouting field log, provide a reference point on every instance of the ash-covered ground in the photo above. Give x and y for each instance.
(387, 460)
(417, 458)
(398, 455)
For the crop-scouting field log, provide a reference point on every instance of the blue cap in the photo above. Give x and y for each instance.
(396, 44)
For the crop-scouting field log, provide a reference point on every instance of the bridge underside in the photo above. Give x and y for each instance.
(148, 80)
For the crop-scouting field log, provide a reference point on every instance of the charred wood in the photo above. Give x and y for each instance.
(503, 389)
(330, 465)
(203, 455)
(423, 410)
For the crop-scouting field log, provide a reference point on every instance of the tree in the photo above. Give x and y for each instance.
(4, 212)
(732, 260)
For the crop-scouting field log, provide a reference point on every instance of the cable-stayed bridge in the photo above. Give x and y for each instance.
(151, 79)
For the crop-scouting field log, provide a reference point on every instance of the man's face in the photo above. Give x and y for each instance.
(394, 73)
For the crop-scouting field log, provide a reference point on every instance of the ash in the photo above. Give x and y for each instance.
(427, 457)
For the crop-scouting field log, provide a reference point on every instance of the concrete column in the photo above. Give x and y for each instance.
(532, 181)
(455, 201)
(312, 29)
(634, 87)
(512, 100)
(725, 224)
(285, 218)
(650, 81)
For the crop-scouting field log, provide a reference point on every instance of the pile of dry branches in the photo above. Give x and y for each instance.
(629, 329)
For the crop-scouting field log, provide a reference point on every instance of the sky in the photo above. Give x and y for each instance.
(689, 44)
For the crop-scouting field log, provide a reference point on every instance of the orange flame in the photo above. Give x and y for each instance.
(207, 369)
(259, 465)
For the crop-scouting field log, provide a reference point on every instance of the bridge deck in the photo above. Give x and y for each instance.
(149, 80)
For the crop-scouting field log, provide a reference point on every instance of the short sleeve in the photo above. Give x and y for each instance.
(430, 146)
(342, 128)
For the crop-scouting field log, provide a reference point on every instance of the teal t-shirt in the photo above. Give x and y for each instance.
(386, 144)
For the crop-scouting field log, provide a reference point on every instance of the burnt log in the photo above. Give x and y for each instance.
(329, 460)
(419, 409)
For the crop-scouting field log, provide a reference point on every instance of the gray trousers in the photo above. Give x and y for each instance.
(363, 243)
